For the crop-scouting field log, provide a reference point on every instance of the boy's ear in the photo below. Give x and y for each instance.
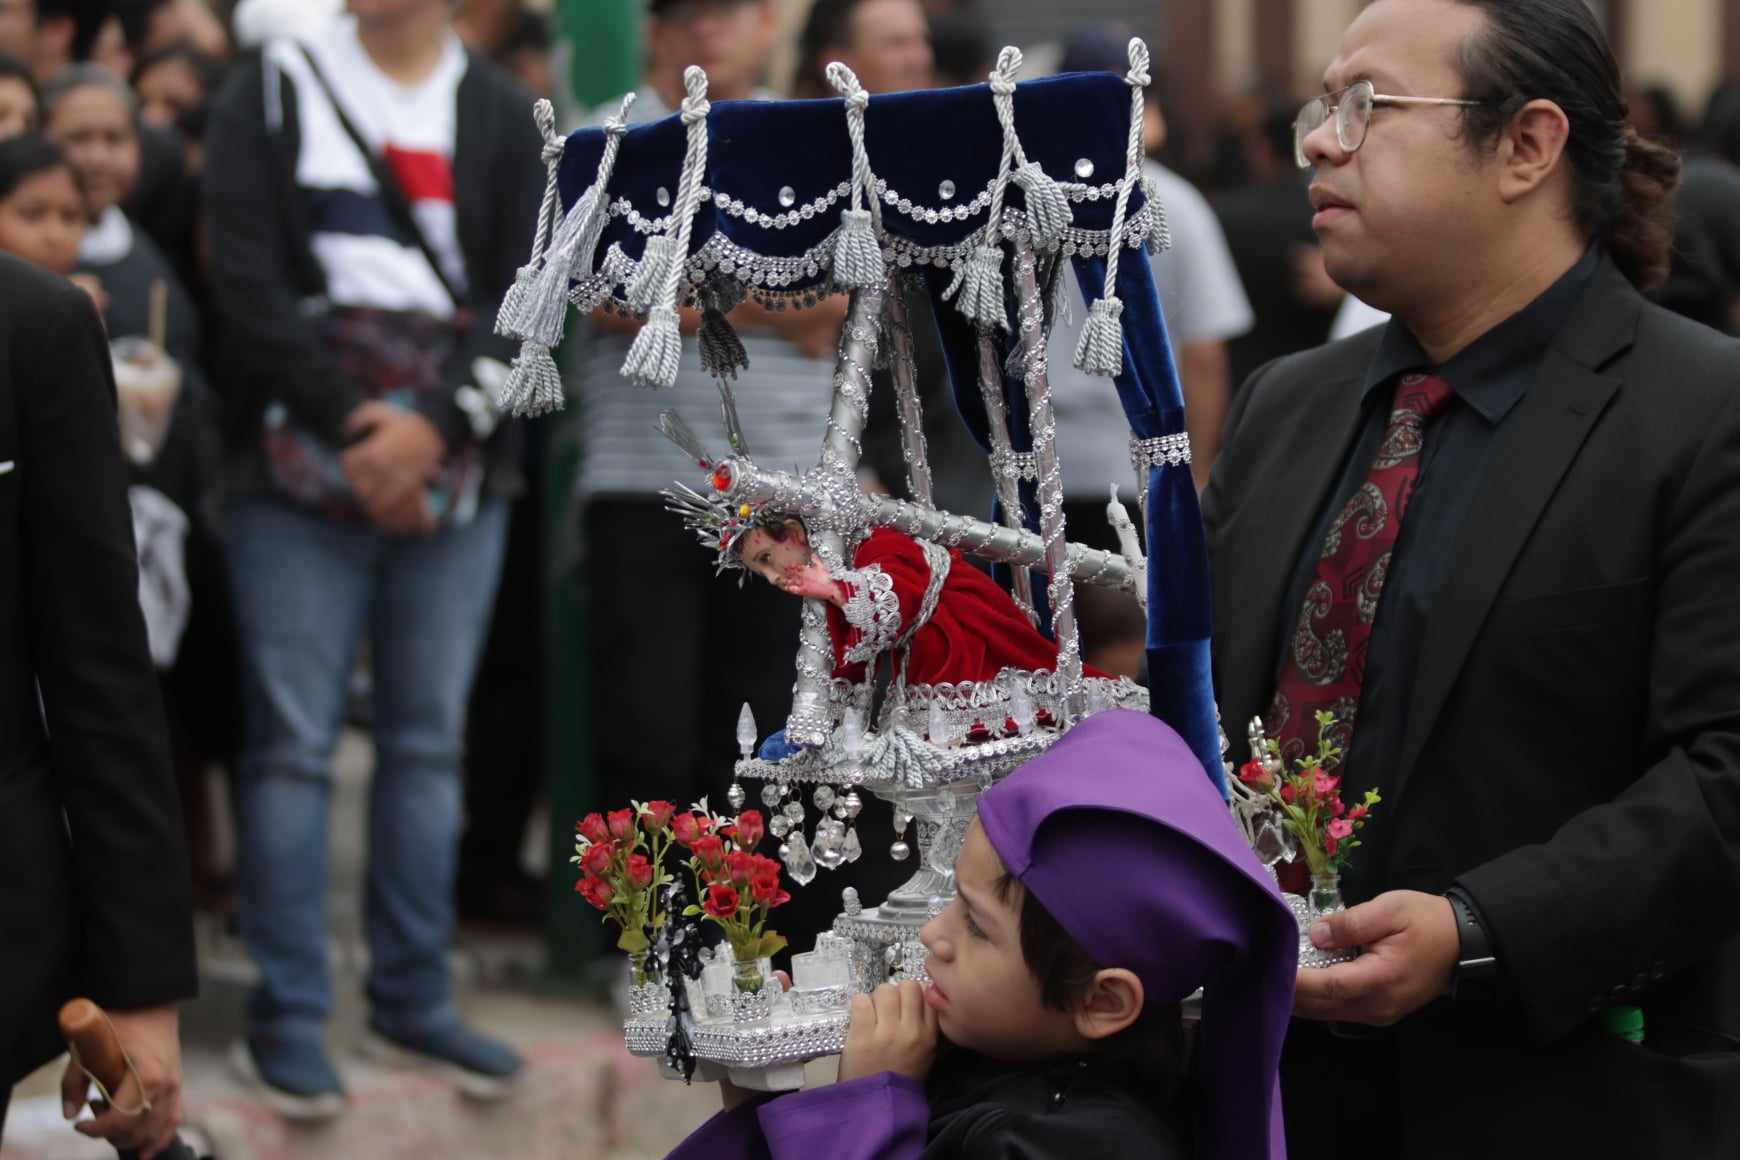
(1113, 1001)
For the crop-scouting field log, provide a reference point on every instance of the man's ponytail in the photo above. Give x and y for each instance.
(1641, 238)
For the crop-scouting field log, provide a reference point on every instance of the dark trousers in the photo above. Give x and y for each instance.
(676, 651)
(5, 1098)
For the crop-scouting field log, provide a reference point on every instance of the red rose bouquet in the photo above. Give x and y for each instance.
(738, 888)
(1308, 800)
(621, 858)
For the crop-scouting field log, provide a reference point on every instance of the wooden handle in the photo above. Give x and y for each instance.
(88, 1032)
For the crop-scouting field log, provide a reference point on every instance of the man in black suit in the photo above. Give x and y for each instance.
(1512, 521)
(94, 891)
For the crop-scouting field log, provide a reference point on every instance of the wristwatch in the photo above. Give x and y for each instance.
(1476, 978)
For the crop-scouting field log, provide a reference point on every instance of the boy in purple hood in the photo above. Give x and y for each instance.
(1101, 884)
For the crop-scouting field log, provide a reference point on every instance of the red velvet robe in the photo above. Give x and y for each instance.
(975, 632)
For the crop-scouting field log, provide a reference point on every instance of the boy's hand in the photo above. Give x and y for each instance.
(813, 581)
(891, 1030)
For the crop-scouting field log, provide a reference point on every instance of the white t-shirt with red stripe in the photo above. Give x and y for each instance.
(412, 128)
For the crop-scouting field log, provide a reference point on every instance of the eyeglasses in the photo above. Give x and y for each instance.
(1352, 108)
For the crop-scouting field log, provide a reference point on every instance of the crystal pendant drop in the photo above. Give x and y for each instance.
(945, 801)
(900, 851)
(772, 793)
(779, 826)
(794, 811)
(824, 797)
(853, 803)
(736, 796)
(799, 863)
(852, 848)
(745, 730)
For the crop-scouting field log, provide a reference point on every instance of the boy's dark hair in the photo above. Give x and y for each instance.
(1554, 50)
(26, 156)
(528, 32)
(135, 17)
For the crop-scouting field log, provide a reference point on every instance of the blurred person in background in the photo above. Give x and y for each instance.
(885, 42)
(255, 22)
(364, 223)
(1200, 295)
(1268, 230)
(960, 45)
(18, 29)
(525, 52)
(42, 209)
(1204, 306)
(174, 463)
(66, 33)
(20, 104)
(174, 85)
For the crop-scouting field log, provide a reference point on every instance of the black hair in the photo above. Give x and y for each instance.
(1155, 1042)
(829, 25)
(210, 74)
(135, 17)
(960, 46)
(1554, 50)
(529, 32)
(74, 77)
(26, 156)
(87, 18)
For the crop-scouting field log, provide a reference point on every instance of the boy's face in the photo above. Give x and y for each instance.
(986, 998)
(43, 220)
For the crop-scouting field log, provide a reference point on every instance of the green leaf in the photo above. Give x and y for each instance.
(691, 910)
(771, 944)
(632, 940)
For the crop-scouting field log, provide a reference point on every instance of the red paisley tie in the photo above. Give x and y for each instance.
(1325, 664)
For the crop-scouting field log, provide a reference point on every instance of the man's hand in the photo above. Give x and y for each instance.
(152, 1039)
(891, 1030)
(398, 456)
(1409, 946)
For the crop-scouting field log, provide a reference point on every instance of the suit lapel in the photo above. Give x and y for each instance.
(1302, 469)
(1536, 447)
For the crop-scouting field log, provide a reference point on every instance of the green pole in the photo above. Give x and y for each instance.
(602, 41)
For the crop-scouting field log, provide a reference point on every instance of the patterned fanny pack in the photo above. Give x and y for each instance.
(397, 356)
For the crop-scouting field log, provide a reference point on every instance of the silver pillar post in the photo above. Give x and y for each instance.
(842, 447)
(1044, 426)
(905, 374)
(1003, 471)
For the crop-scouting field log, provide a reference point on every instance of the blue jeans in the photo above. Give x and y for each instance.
(306, 590)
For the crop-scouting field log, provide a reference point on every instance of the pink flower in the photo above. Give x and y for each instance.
(1288, 793)
(1340, 828)
(1357, 812)
(1324, 784)
(1329, 843)
(1336, 809)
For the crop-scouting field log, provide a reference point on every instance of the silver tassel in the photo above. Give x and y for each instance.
(657, 351)
(858, 261)
(533, 386)
(980, 288)
(1101, 348)
(649, 277)
(722, 352)
(1048, 211)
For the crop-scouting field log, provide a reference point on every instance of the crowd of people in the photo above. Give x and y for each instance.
(297, 226)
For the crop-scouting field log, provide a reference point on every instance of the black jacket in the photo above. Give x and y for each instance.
(94, 892)
(263, 268)
(1571, 754)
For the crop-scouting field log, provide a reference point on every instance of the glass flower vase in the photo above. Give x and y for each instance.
(647, 994)
(753, 990)
(1324, 899)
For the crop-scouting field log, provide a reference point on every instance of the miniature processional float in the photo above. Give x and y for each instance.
(967, 203)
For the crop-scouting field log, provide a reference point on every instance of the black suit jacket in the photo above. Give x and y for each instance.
(1572, 748)
(94, 892)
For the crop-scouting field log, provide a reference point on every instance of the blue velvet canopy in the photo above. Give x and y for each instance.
(778, 177)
